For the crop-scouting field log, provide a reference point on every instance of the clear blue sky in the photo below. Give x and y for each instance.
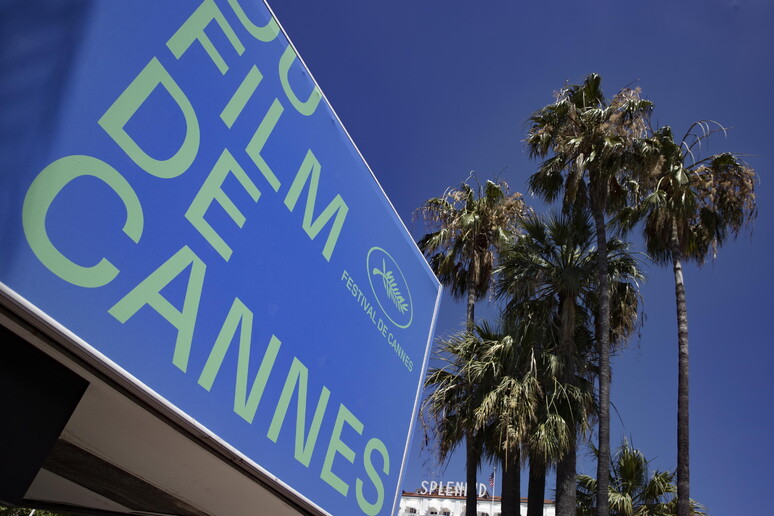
(430, 90)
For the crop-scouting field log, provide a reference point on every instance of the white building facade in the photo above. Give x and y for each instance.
(441, 504)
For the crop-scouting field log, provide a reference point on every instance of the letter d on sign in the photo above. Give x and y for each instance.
(126, 105)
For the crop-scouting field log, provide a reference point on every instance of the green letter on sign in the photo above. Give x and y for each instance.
(127, 104)
(149, 293)
(310, 169)
(212, 190)
(42, 193)
(256, 143)
(299, 374)
(266, 33)
(193, 29)
(306, 107)
(336, 445)
(373, 508)
(244, 405)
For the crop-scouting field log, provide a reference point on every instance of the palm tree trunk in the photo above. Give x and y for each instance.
(566, 483)
(537, 489)
(473, 453)
(683, 438)
(511, 498)
(566, 467)
(471, 495)
(603, 342)
(471, 308)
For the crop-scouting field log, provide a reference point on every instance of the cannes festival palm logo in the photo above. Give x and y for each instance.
(390, 287)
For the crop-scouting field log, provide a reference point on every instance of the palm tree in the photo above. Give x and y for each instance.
(633, 489)
(564, 410)
(507, 374)
(551, 266)
(485, 391)
(549, 276)
(544, 429)
(551, 435)
(467, 226)
(591, 148)
(448, 412)
(692, 206)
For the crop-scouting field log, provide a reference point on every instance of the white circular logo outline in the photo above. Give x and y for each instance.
(403, 277)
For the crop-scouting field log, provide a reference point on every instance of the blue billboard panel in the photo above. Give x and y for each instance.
(179, 195)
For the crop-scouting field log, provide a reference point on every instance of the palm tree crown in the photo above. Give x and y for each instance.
(590, 143)
(704, 200)
(467, 226)
(449, 409)
(634, 489)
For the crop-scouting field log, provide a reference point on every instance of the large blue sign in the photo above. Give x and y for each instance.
(178, 194)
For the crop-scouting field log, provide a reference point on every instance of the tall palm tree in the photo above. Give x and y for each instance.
(589, 143)
(634, 490)
(548, 275)
(692, 206)
(467, 226)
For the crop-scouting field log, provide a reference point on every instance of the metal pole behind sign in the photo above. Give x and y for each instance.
(491, 500)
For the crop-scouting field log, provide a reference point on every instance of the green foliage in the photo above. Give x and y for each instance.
(634, 490)
(20, 511)
(589, 145)
(690, 205)
(506, 372)
(567, 305)
(448, 412)
(555, 259)
(467, 225)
